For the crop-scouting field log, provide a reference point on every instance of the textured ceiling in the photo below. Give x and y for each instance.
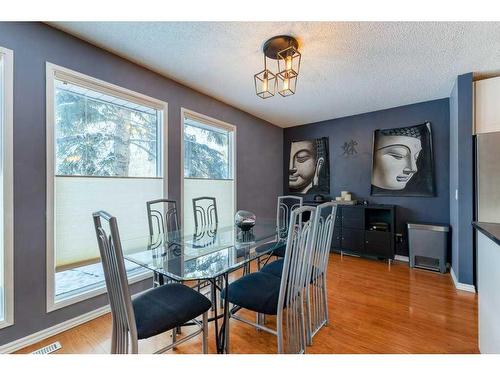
(347, 67)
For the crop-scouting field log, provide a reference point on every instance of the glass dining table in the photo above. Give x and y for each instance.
(207, 255)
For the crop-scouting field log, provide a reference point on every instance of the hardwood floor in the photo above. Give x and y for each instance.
(373, 307)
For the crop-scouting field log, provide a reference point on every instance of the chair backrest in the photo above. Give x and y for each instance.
(162, 217)
(295, 270)
(116, 282)
(324, 222)
(204, 236)
(286, 204)
(205, 212)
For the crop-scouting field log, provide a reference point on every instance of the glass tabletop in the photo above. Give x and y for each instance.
(205, 254)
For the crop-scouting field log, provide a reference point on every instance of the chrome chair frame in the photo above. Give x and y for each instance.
(206, 222)
(165, 221)
(283, 213)
(205, 217)
(124, 337)
(316, 291)
(290, 323)
(162, 222)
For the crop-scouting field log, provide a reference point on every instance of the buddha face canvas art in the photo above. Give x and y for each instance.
(403, 162)
(309, 171)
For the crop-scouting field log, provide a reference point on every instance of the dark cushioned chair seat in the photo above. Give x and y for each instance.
(257, 292)
(168, 306)
(274, 268)
(279, 250)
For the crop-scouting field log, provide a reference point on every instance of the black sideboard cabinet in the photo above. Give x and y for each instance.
(354, 233)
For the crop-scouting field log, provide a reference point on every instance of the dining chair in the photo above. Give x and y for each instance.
(205, 212)
(286, 204)
(206, 221)
(316, 292)
(163, 220)
(163, 217)
(154, 311)
(283, 297)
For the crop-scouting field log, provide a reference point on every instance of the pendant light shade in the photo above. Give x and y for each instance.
(289, 62)
(287, 83)
(265, 82)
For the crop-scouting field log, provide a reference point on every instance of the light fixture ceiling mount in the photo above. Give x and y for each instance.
(283, 49)
(279, 43)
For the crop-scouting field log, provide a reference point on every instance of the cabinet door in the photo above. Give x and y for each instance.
(353, 218)
(379, 244)
(353, 240)
(337, 230)
(336, 240)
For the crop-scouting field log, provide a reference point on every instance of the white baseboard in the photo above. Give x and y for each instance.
(51, 331)
(402, 258)
(461, 286)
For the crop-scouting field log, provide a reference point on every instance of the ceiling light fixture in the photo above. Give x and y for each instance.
(283, 49)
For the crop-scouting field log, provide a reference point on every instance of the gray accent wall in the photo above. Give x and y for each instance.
(462, 178)
(259, 154)
(353, 173)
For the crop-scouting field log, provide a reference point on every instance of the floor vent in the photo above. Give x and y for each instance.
(48, 349)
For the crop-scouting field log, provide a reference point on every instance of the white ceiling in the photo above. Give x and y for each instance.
(347, 67)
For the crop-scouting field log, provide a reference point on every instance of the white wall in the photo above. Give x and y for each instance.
(486, 106)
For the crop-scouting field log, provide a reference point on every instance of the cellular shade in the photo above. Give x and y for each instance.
(78, 197)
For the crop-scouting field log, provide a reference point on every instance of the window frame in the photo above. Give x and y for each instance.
(233, 162)
(8, 185)
(54, 72)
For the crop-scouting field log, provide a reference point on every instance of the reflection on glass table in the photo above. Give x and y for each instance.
(205, 254)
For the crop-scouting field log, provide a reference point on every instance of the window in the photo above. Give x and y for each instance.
(207, 151)
(208, 166)
(6, 189)
(105, 148)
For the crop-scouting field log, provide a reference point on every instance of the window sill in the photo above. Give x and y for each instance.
(208, 179)
(6, 323)
(93, 293)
